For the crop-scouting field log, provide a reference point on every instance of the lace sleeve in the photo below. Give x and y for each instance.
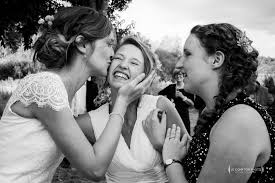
(44, 89)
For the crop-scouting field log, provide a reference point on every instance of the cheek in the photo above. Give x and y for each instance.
(102, 55)
(111, 69)
(137, 71)
(108, 51)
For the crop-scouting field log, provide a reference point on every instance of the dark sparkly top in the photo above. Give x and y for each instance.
(199, 145)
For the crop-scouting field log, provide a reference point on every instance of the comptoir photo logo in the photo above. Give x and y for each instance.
(244, 170)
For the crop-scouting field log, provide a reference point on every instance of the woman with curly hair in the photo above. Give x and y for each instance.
(234, 137)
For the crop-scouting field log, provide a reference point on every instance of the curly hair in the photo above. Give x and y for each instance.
(239, 63)
(56, 45)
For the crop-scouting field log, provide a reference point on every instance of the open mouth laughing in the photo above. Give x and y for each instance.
(121, 75)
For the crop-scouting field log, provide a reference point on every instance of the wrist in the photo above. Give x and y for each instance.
(120, 106)
(184, 98)
(170, 162)
(118, 115)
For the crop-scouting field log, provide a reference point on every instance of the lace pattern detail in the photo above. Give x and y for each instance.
(44, 89)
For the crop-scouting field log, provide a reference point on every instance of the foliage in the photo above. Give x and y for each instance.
(18, 70)
(266, 68)
(168, 60)
(17, 65)
(19, 19)
(269, 83)
(4, 97)
(20, 26)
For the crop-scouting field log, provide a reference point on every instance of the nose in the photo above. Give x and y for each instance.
(179, 64)
(123, 64)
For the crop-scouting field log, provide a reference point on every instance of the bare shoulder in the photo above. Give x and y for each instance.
(240, 116)
(241, 125)
(238, 139)
(164, 103)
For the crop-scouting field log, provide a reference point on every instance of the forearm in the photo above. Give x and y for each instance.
(188, 101)
(175, 173)
(105, 146)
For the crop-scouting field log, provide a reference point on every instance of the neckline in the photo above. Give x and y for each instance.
(129, 148)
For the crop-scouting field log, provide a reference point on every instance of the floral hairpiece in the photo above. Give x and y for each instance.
(48, 20)
(244, 42)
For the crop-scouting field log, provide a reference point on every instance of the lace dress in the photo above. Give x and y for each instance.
(141, 163)
(199, 146)
(28, 154)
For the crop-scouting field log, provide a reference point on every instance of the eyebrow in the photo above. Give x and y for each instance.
(119, 54)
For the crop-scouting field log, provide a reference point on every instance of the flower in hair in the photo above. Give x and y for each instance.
(41, 21)
(244, 42)
(48, 19)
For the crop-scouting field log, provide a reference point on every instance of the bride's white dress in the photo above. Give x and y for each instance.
(28, 154)
(140, 163)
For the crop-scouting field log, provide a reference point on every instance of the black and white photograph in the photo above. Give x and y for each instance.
(137, 91)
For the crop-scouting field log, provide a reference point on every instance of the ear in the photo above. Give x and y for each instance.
(218, 59)
(80, 44)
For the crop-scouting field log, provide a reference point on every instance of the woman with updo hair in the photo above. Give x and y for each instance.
(37, 127)
(234, 137)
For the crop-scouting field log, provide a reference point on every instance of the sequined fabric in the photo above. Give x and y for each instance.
(199, 145)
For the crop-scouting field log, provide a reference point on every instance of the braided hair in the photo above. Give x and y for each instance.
(240, 62)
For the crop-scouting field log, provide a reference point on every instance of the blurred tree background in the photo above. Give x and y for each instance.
(19, 25)
(19, 18)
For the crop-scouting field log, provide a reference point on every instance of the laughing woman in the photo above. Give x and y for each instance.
(135, 159)
(234, 138)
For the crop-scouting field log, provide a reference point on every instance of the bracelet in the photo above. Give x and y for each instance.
(169, 162)
(114, 113)
(184, 98)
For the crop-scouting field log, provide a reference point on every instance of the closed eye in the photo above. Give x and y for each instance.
(111, 43)
(186, 53)
(135, 63)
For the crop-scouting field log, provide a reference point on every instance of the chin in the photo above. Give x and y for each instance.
(117, 84)
(100, 73)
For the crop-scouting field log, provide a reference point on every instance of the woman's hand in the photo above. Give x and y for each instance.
(174, 147)
(179, 94)
(134, 89)
(155, 128)
(184, 98)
